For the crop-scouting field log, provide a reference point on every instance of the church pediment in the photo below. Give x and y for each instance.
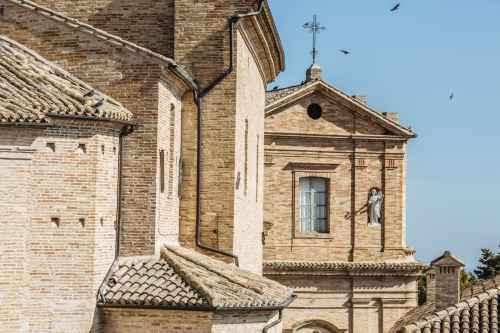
(337, 108)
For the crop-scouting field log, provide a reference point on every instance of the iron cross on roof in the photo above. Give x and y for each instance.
(314, 28)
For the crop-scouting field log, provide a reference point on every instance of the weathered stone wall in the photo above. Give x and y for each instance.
(149, 24)
(353, 167)
(70, 179)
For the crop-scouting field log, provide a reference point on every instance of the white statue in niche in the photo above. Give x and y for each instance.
(375, 206)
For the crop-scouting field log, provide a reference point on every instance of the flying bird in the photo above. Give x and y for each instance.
(345, 52)
(451, 96)
(395, 7)
(89, 94)
(275, 87)
(98, 104)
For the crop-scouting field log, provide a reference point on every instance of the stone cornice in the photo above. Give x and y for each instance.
(274, 266)
(363, 137)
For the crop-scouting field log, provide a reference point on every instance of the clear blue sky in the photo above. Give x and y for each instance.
(410, 61)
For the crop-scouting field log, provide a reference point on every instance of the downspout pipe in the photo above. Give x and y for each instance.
(126, 130)
(274, 323)
(198, 100)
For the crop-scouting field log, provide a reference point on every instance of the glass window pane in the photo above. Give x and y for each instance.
(320, 225)
(305, 198)
(320, 198)
(305, 211)
(320, 212)
(305, 225)
(319, 184)
(305, 184)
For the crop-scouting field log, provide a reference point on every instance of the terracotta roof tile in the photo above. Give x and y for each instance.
(476, 312)
(183, 277)
(32, 87)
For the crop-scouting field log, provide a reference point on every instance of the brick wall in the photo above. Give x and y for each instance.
(231, 219)
(147, 23)
(352, 167)
(347, 303)
(152, 321)
(66, 251)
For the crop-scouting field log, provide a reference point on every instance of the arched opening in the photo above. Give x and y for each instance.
(316, 325)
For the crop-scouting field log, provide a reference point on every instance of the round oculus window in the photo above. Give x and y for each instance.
(314, 111)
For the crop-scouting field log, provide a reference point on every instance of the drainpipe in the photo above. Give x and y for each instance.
(124, 132)
(198, 101)
(274, 323)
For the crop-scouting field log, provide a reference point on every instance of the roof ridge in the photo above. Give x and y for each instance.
(91, 30)
(189, 277)
(216, 271)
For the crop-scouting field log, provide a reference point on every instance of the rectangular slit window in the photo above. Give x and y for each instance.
(2, 11)
(102, 148)
(55, 221)
(162, 170)
(313, 208)
(82, 223)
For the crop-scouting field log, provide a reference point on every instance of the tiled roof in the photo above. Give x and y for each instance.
(274, 95)
(184, 277)
(330, 265)
(476, 312)
(31, 86)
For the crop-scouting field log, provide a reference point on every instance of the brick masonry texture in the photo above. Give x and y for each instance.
(355, 154)
(148, 23)
(70, 244)
(152, 321)
(67, 184)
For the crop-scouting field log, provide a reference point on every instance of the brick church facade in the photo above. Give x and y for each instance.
(151, 184)
(325, 152)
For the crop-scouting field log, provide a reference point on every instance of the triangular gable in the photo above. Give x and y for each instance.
(282, 99)
(447, 259)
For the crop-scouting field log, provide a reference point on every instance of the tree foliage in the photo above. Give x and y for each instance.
(422, 290)
(492, 265)
(467, 279)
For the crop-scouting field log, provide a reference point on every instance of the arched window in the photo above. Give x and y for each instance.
(313, 204)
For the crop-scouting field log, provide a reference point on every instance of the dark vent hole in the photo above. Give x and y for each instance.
(314, 111)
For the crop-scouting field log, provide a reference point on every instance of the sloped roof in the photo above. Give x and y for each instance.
(477, 311)
(184, 277)
(450, 256)
(32, 87)
(279, 99)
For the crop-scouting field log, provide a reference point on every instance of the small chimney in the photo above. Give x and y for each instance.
(360, 98)
(431, 285)
(447, 280)
(391, 115)
(314, 73)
